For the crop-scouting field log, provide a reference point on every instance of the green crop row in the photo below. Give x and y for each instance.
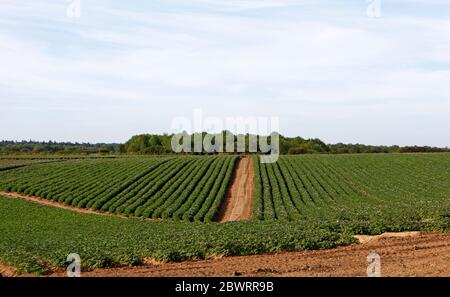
(300, 202)
(37, 238)
(353, 187)
(186, 188)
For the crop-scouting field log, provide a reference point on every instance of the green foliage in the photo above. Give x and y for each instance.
(42, 147)
(40, 238)
(153, 144)
(301, 202)
(149, 144)
(366, 193)
(189, 188)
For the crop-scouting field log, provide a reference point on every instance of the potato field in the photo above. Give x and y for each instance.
(166, 208)
(188, 188)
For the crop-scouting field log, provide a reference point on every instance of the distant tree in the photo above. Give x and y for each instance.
(297, 151)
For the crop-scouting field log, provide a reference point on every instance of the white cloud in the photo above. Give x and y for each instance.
(146, 67)
(250, 4)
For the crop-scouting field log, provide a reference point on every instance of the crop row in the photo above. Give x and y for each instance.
(302, 187)
(184, 188)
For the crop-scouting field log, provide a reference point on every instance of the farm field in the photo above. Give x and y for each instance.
(37, 238)
(367, 191)
(6, 164)
(403, 254)
(299, 203)
(187, 188)
(15, 161)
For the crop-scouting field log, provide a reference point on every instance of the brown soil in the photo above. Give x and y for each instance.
(368, 238)
(47, 202)
(7, 270)
(421, 254)
(238, 205)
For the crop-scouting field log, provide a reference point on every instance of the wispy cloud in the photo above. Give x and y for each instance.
(148, 62)
(236, 5)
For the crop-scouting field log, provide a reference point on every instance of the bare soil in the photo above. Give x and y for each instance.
(368, 238)
(47, 202)
(413, 254)
(7, 270)
(238, 205)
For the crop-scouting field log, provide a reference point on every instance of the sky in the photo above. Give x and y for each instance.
(326, 69)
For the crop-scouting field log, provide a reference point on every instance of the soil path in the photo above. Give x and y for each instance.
(238, 205)
(419, 254)
(7, 270)
(47, 202)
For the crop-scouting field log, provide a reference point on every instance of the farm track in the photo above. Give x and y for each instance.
(238, 204)
(47, 202)
(410, 254)
(7, 270)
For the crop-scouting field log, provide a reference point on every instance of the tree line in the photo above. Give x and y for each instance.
(51, 147)
(154, 144)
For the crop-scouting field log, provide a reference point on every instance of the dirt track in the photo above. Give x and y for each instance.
(47, 202)
(7, 270)
(413, 254)
(238, 204)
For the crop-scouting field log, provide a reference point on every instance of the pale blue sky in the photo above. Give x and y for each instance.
(324, 68)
